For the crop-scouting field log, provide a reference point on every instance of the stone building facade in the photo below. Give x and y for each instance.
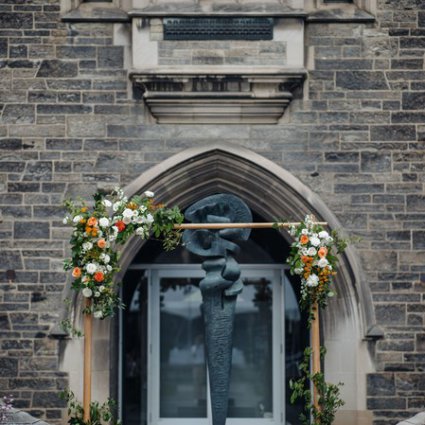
(82, 107)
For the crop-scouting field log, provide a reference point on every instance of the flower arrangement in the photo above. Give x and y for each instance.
(313, 258)
(96, 231)
(5, 408)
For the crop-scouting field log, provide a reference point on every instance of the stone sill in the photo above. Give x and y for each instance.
(217, 10)
(345, 15)
(96, 12)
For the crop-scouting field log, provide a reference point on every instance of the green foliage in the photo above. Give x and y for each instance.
(100, 414)
(329, 394)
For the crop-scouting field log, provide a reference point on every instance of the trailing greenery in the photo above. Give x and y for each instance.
(100, 414)
(329, 394)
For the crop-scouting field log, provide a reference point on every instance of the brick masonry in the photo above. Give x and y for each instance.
(68, 125)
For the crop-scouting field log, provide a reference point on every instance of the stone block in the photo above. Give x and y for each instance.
(63, 109)
(375, 162)
(47, 399)
(8, 367)
(75, 52)
(31, 230)
(380, 384)
(391, 314)
(393, 132)
(361, 80)
(38, 171)
(386, 403)
(57, 69)
(415, 203)
(418, 241)
(84, 126)
(110, 57)
(18, 114)
(16, 20)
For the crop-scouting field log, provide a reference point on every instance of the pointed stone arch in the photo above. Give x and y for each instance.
(269, 190)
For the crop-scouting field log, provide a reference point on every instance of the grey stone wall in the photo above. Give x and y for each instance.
(68, 125)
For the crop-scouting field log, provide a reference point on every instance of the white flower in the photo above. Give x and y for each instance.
(101, 288)
(65, 220)
(91, 268)
(311, 251)
(98, 314)
(148, 219)
(126, 220)
(315, 241)
(77, 219)
(105, 258)
(313, 280)
(298, 270)
(85, 280)
(109, 268)
(116, 206)
(87, 292)
(140, 231)
(331, 294)
(87, 246)
(142, 208)
(111, 238)
(149, 194)
(103, 222)
(304, 231)
(329, 240)
(323, 234)
(127, 213)
(304, 251)
(323, 262)
(97, 294)
(107, 203)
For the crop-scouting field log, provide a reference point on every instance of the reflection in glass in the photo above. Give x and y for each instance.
(183, 367)
(251, 386)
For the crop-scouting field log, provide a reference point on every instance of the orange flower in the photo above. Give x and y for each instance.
(94, 232)
(76, 272)
(120, 225)
(323, 252)
(99, 277)
(305, 259)
(132, 206)
(84, 209)
(83, 220)
(101, 243)
(304, 239)
(92, 221)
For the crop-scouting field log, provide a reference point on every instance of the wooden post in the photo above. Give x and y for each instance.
(88, 319)
(315, 345)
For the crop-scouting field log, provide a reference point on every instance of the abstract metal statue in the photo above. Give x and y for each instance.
(220, 286)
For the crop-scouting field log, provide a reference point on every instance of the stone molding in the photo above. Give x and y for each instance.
(235, 95)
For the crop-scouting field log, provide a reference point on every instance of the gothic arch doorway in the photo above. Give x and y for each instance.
(272, 192)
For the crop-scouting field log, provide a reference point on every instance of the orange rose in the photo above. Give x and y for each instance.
(92, 221)
(323, 252)
(304, 239)
(99, 277)
(94, 232)
(76, 272)
(120, 225)
(101, 243)
(305, 259)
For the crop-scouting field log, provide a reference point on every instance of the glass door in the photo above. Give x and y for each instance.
(177, 374)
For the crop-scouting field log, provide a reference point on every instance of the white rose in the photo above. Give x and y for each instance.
(109, 268)
(103, 222)
(298, 270)
(313, 280)
(106, 258)
(127, 213)
(77, 219)
(149, 194)
(126, 220)
(98, 314)
(315, 241)
(140, 231)
(148, 219)
(107, 203)
(311, 251)
(304, 232)
(91, 268)
(323, 262)
(97, 294)
(87, 246)
(323, 234)
(87, 292)
(101, 288)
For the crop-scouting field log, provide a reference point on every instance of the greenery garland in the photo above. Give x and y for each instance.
(313, 257)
